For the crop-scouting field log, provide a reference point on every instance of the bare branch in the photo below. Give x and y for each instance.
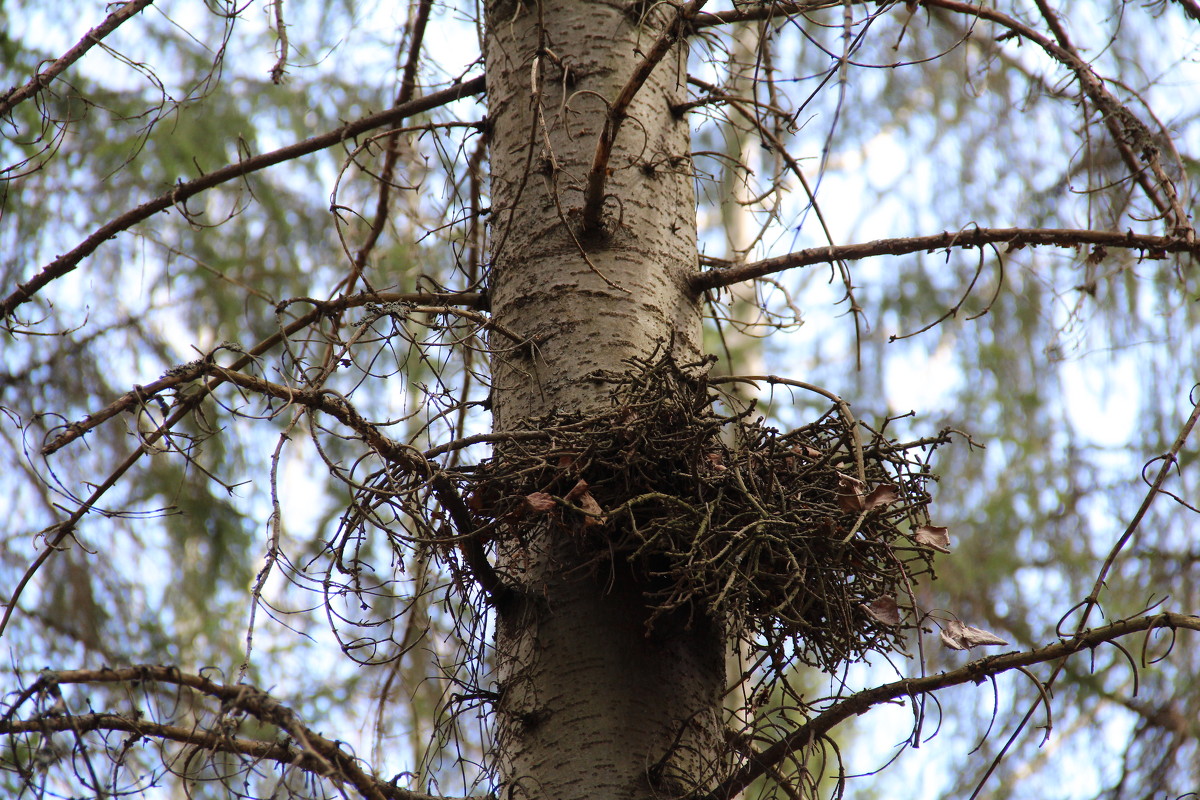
(406, 456)
(1128, 132)
(123, 12)
(1154, 247)
(280, 68)
(593, 195)
(191, 372)
(67, 262)
(754, 12)
(1191, 8)
(309, 750)
(973, 672)
(1170, 460)
(408, 87)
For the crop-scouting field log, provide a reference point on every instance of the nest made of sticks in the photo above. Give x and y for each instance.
(806, 542)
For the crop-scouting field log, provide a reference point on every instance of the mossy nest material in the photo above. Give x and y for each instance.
(795, 538)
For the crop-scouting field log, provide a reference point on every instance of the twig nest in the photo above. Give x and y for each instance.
(804, 542)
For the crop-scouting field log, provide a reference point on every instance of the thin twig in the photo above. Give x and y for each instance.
(1127, 130)
(124, 12)
(197, 369)
(67, 262)
(908, 688)
(1169, 459)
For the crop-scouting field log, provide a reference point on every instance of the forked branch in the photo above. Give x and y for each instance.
(303, 747)
(618, 110)
(759, 764)
(183, 191)
(1129, 134)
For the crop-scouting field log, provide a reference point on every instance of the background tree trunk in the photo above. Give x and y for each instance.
(591, 700)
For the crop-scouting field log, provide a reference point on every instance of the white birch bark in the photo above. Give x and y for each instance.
(590, 700)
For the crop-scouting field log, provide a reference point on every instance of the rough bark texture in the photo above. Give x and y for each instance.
(593, 705)
(584, 314)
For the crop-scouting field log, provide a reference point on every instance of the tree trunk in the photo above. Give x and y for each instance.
(593, 705)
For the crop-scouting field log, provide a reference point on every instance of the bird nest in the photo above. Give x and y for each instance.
(806, 542)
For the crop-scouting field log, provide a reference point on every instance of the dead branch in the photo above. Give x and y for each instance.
(190, 372)
(975, 672)
(304, 747)
(67, 262)
(409, 459)
(1152, 247)
(764, 11)
(122, 13)
(1089, 604)
(593, 195)
(1128, 132)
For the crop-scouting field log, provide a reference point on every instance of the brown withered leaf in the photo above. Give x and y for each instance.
(539, 502)
(589, 504)
(850, 494)
(884, 609)
(807, 452)
(960, 636)
(881, 495)
(580, 496)
(854, 498)
(933, 536)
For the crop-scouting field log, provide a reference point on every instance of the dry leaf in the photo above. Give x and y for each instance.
(539, 502)
(884, 609)
(881, 495)
(959, 636)
(853, 497)
(580, 496)
(807, 452)
(934, 536)
(850, 494)
(589, 504)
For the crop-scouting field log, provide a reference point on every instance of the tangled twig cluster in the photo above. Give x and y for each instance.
(803, 541)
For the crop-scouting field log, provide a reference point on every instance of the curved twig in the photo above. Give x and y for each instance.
(67, 262)
(973, 672)
(1128, 132)
(124, 12)
(308, 749)
(197, 369)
